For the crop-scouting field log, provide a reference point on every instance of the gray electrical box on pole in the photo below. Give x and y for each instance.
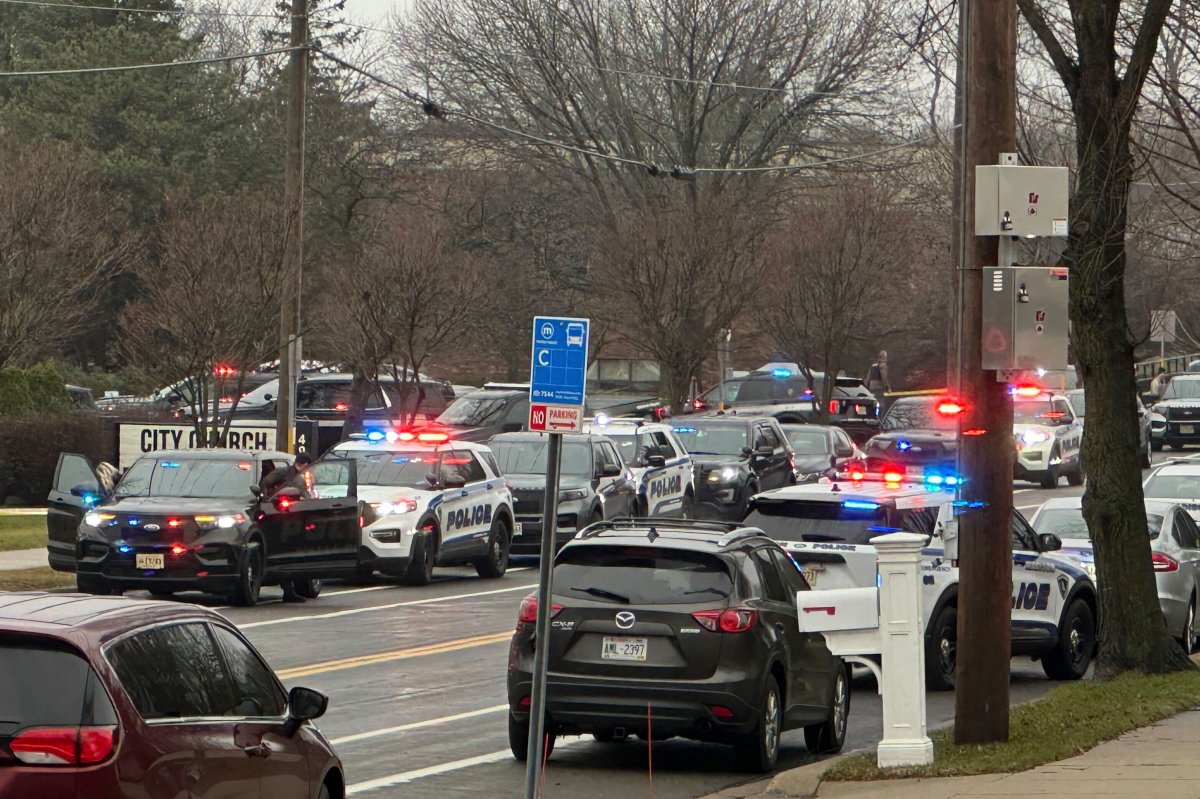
(1014, 200)
(1025, 323)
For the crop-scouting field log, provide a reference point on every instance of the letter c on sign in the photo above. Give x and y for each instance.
(543, 357)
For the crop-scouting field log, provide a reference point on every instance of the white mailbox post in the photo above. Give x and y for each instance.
(861, 623)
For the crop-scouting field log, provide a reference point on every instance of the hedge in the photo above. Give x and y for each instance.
(30, 445)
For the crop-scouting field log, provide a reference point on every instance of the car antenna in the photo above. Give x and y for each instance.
(652, 535)
(834, 489)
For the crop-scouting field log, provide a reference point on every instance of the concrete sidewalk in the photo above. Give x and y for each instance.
(23, 559)
(1156, 762)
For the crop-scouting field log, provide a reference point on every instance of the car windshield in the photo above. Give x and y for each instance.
(1039, 411)
(640, 575)
(807, 442)
(770, 390)
(224, 478)
(1183, 388)
(259, 395)
(917, 414)
(1077, 402)
(472, 411)
(627, 444)
(714, 439)
(392, 467)
(528, 456)
(1173, 486)
(849, 522)
(1068, 523)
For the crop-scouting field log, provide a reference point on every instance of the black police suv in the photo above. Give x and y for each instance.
(593, 484)
(1180, 412)
(735, 457)
(917, 435)
(188, 520)
(669, 627)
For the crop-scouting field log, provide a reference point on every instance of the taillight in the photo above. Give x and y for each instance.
(64, 746)
(730, 620)
(528, 611)
(721, 712)
(834, 406)
(178, 549)
(1164, 563)
(284, 503)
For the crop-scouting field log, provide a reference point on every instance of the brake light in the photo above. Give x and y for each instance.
(528, 610)
(284, 503)
(834, 406)
(174, 524)
(64, 746)
(178, 549)
(730, 620)
(1164, 563)
(697, 404)
(721, 712)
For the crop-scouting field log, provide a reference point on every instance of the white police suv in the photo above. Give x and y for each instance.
(1048, 438)
(826, 528)
(428, 499)
(661, 466)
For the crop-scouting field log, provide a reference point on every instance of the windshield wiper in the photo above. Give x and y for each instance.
(709, 590)
(600, 592)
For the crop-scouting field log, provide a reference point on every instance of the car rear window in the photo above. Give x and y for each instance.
(45, 683)
(640, 575)
(817, 521)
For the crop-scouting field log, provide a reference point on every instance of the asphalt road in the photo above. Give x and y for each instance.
(416, 681)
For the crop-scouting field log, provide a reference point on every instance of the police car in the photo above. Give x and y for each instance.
(1178, 481)
(826, 528)
(661, 467)
(1048, 437)
(429, 500)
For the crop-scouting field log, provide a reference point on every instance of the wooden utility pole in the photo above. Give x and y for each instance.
(293, 253)
(988, 40)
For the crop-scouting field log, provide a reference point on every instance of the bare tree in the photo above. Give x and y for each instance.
(59, 248)
(1103, 52)
(832, 269)
(209, 299)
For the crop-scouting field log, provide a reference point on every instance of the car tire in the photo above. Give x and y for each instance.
(1188, 636)
(1072, 652)
(89, 584)
(494, 564)
(641, 508)
(250, 576)
(1146, 459)
(308, 587)
(941, 650)
(420, 564)
(829, 736)
(1076, 477)
(758, 752)
(324, 794)
(1049, 480)
(518, 740)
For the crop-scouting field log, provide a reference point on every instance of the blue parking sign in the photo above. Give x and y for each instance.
(558, 370)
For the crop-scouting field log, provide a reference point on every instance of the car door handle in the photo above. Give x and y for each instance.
(262, 750)
(465, 494)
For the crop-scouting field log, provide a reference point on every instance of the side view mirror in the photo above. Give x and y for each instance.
(765, 451)
(174, 397)
(256, 490)
(85, 490)
(304, 704)
(844, 452)
(1149, 399)
(454, 481)
(268, 397)
(1050, 542)
(611, 470)
(656, 461)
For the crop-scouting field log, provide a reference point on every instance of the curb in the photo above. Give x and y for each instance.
(803, 782)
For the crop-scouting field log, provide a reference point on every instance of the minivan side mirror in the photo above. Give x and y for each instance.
(1050, 542)
(304, 704)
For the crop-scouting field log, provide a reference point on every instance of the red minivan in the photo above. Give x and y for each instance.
(106, 697)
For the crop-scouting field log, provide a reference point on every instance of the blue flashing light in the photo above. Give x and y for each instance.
(858, 504)
(133, 521)
(875, 528)
(973, 503)
(951, 480)
(124, 549)
(935, 479)
(375, 436)
(89, 499)
(781, 373)
(168, 465)
(903, 446)
(684, 429)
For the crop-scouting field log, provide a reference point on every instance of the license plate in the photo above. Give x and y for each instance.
(517, 528)
(811, 575)
(624, 648)
(151, 561)
(1187, 428)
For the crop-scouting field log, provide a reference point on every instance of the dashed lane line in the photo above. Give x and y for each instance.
(418, 725)
(393, 655)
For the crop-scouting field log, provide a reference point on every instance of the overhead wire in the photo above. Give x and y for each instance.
(154, 11)
(160, 65)
(431, 108)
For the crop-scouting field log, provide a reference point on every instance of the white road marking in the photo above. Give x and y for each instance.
(372, 608)
(418, 725)
(445, 768)
(1021, 490)
(1028, 507)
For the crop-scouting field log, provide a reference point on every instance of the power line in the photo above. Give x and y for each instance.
(132, 67)
(676, 171)
(157, 12)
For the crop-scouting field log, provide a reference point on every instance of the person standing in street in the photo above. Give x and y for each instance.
(877, 380)
(1158, 386)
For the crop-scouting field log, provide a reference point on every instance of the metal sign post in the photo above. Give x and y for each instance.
(557, 384)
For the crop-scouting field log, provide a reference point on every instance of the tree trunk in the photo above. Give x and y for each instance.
(1133, 635)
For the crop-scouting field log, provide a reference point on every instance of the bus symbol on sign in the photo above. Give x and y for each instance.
(574, 335)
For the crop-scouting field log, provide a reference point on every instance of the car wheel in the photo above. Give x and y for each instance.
(641, 508)
(88, 584)
(250, 577)
(941, 651)
(1076, 477)
(324, 794)
(495, 563)
(309, 587)
(420, 565)
(759, 751)
(1049, 479)
(688, 509)
(1188, 639)
(518, 740)
(1072, 653)
(829, 736)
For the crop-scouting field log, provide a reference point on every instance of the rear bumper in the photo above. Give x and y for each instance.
(576, 706)
(1178, 431)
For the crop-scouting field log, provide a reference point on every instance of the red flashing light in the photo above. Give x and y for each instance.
(340, 407)
(893, 476)
(244, 466)
(284, 503)
(527, 613)
(950, 408)
(974, 431)
(174, 524)
(857, 475)
(697, 404)
(730, 620)
(64, 746)
(406, 435)
(178, 549)
(224, 371)
(433, 437)
(1053, 415)
(1028, 391)
(1164, 563)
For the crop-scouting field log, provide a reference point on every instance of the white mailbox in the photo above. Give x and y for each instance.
(1013, 200)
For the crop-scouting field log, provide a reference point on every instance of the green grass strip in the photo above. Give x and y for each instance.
(35, 579)
(22, 532)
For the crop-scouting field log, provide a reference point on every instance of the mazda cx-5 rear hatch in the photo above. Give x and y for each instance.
(645, 611)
